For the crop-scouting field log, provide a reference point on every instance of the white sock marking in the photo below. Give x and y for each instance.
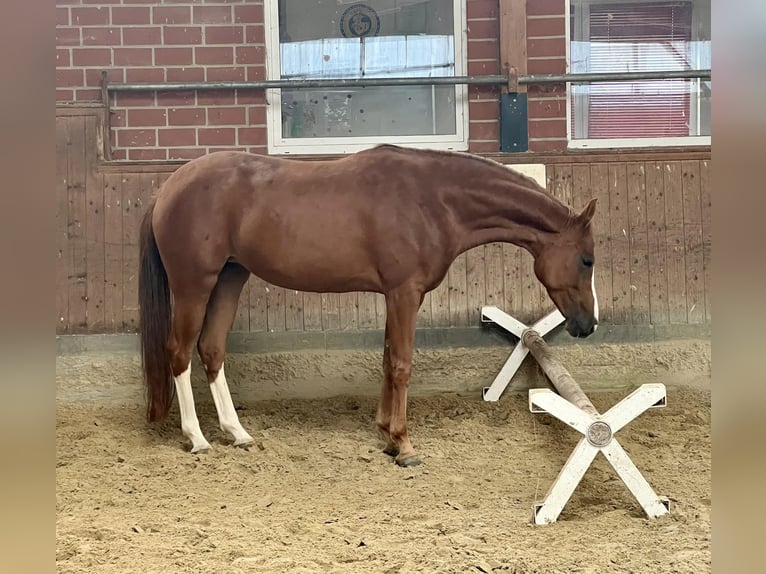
(595, 297)
(227, 415)
(189, 422)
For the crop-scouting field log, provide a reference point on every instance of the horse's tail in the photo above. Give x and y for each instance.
(154, 323)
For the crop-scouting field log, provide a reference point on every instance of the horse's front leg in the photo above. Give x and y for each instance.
(383, 418)
(402, 309)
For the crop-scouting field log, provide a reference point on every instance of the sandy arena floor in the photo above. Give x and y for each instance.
(316, 494)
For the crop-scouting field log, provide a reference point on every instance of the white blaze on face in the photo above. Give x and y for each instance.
(595, 298)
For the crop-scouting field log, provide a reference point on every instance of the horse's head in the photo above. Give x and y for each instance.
(565, 267)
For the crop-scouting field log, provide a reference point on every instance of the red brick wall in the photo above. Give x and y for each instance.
(209, 40)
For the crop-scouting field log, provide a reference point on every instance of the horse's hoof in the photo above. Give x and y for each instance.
(391, 450)
(411, 460)
(244, 444)
(201, 449)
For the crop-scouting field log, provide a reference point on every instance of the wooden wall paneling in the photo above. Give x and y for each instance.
(639, 255)
(659, 313)
(131, 213)
(706, 199)
(113, 247)
(275, 308)
(476, 284)
(618, 209)
(368, 315)
(495, 276)
(599, 182)
(349, 311)
(63, 257)
(693, 242)
(312, 311)
(330, 311)
(512, 287)
(257, 304)
(458, 291)
(674, 234)
(293, 310)
(78, 270)
(440, 312)
(424, 320)
(94, 228)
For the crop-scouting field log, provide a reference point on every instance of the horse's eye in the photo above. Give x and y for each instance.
(587, 261)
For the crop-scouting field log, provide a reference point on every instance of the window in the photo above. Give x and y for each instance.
(329, 39)
(639, 36)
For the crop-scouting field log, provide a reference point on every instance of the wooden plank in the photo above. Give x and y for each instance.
(380, 309)
(424, 313)
(275, 308)
(560, 182)
(530, 289)
(511, 279)
(618, 215)
(495, 275)
(293, 310)
(330, 311)
(131, 213)
(312, 311)
(693, 243)
(258, 304)
(513, 37)
(113, 286)
(639, 254)
(440, 316)
(94, 231)
(476, 284)
(367, 312)
(656, 248)
(349, 316)
(458, 292)
(706, 199)
(63, 256)
(599, 181)
(674, 236)
(581, 191)
(242, 318)
(78, 263)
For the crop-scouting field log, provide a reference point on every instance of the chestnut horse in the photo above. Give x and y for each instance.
(389, 220)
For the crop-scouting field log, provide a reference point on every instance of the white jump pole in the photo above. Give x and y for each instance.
(572, 407)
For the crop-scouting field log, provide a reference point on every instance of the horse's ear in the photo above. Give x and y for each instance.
(587, 214)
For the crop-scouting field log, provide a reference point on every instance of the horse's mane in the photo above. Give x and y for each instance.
(522, 179)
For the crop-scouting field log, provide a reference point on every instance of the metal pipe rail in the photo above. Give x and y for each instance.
(500, 80)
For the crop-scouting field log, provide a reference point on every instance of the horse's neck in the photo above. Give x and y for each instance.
(509, 211)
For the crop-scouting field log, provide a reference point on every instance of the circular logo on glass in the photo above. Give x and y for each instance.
(359, 21)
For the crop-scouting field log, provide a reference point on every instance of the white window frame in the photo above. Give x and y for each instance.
(342, 145)
(607, 143)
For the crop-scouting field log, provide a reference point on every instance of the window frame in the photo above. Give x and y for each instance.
(607, 143)
(278, 145)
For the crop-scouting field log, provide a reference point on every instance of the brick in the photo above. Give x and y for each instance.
(226, 74)
(91, 57)
(69, 78)
(93, 76)
(62, 16)
(119, 154)
(484, 110)
(133, 57)
(216, 98)
(546, 8)
(481, 9)
(182, 34)
(177, 137)
(547, 66)
(546, 47)
(136, 137)
(255, 73)
(482, 29)
(141, 118)
(218, 116)
(548, 145)
(66, 2)
(145, 75)
(256, 116)
(212, 14)
(251, 55)
(117, 118)
(483, 146)
(206, 56)
(142, 36)
(185, 153)
(224, 35)
(90, 16)
(223, 148)
(187, 117)
(248, 14)
(185, 74)
(131, 15)
(252, 136)
(216, 136)
(547, 108)
(129, 99)
(545, 90)
(171, 15)
(483, 93)
(173, 56)
(255, 34)
(67, 36)
(485, 68)
(63, 58)
(176, 98)
(147, 154)
(101, 36)
(251, 97)
(64, 95)
(483, 50)
(548, 128)
(100, 2)
(546, 27)
(87, 95)
(484, 131)
(259, 149)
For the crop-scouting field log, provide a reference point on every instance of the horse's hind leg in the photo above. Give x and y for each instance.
(221, 310)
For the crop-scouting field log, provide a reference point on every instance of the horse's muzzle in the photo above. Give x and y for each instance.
(581, 327)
